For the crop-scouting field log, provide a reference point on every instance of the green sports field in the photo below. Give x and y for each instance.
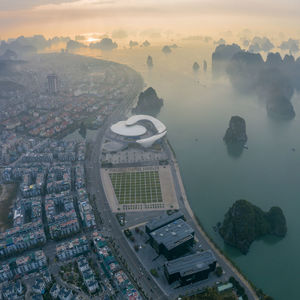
(137, 187)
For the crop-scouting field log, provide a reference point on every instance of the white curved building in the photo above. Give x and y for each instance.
(148, 142)
(159, 126)
(122, 129)
(130, 128)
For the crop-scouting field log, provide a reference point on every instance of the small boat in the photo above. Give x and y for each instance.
(246, 147)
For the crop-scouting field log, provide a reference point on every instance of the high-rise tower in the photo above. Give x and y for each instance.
(52, 84)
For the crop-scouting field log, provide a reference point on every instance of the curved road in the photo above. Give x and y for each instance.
(113, 229)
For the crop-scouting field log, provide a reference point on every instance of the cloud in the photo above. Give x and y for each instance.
(119, 34)
(73, 5)
(151, 33)
(245, 42)
(79, 38)
(227, 33)
(206, 39)
(291, 45)
(27, 4)
(245, 34)
(193, 38)
(221, 41)
(259, 44)
(65, 16)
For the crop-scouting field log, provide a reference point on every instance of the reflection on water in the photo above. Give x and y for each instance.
(235, 150)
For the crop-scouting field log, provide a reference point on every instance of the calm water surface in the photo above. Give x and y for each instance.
(197, 112)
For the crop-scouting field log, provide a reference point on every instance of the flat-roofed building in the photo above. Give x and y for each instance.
(173, 239)
(190, 268)
(163, 220)
(52, 83)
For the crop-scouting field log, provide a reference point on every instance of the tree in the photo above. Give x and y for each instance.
(219, 271)
(154, 272)
(232, 280)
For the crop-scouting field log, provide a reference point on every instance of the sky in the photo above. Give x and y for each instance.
(148, 17)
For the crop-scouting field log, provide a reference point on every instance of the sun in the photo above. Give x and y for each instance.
(92, 39)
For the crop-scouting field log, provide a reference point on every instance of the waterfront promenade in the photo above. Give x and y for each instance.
(222, 259)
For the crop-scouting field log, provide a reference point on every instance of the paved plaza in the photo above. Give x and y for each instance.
(137, 187)
(134, 155)
(141, 188)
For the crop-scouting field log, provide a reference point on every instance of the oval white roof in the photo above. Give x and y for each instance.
(160, 127)
(148, 142)
(133, 130)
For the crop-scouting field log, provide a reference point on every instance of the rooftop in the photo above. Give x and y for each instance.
(163, 220)
(121, 128)
(130, 128)
(173, 234)
(224, 287)
(191, 264)
(160, 127)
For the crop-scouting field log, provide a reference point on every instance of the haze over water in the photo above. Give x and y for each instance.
(196, 109)
(267, 174)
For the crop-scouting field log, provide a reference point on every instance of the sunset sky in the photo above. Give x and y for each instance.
(148, 17)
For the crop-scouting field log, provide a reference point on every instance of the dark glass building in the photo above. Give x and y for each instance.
(173, 239)
(190, 268)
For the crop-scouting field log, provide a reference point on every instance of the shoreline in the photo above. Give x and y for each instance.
(214, 247)
(208, 239)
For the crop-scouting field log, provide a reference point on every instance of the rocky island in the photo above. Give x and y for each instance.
(278, 90)
(280, 108)
(272, 80)
(148, 103)
(204, 65)
(235, 136)
(236, 133)
(150, 62)
(245, 222)
(196, 67)
(166, 49)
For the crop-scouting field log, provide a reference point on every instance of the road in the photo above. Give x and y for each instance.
(111, 226)
(204, 240)
(143, 278)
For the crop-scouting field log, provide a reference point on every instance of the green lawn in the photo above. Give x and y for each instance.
(137, 187)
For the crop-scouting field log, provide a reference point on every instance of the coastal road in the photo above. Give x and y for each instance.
(110, 223)
(113, 229)
(204, 240)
